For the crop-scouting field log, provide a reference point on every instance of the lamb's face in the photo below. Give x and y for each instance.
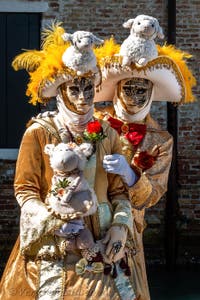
(82, 40)
(146, 27)
(64, 159)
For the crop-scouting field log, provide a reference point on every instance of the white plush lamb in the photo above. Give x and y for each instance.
(140, 47)
(68, 182)
(80, 56)
(71, 198)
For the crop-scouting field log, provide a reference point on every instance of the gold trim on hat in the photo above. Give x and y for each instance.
(161, 62)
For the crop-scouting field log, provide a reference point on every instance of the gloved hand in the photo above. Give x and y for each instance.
(115, 239)
(117, 164)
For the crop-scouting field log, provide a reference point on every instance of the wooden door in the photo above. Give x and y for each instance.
(17, 31)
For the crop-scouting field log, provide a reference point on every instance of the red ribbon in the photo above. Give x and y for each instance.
(132, 131)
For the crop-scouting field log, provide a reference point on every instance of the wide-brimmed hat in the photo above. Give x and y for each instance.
(172, 79)
(47, 68)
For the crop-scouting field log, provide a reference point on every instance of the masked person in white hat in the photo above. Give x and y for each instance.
(124, 100)
(41, 265)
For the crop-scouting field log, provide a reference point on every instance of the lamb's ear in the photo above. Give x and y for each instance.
(67, 37)
(128, 24)
(86, 149)
(160, 33)
(96, 40)
(48, 149)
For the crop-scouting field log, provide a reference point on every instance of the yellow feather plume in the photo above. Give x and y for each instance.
(29, 60)
(45, 64)
(50, 66)
(107, 50)
(53, 36)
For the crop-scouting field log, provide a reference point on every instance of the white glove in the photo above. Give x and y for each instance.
(115, 239)
(117, 164)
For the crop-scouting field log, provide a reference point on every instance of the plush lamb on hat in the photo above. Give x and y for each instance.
(80, 56)
(140, 47)
(172, 80)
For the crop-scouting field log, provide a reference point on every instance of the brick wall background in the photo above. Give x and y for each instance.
(105, 17)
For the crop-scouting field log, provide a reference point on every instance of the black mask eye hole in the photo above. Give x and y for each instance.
(74, 89)
(152, 25)
(127, 90)
(88, 88)
(140, 91)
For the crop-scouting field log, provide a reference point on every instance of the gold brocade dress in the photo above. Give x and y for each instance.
(28, 278)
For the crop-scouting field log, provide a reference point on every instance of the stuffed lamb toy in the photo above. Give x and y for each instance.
(139, 47)
(71, 198)
(80, 56)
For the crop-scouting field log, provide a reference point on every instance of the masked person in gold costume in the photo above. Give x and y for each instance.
(125, 100)
(42, 265)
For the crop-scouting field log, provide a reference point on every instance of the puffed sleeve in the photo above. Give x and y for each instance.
(28, 168)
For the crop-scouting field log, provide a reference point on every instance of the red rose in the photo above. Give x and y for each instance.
(94, 127)
(143, 160)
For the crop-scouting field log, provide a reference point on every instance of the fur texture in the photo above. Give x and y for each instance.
(139, 47)
(71, 197)
(80, 56)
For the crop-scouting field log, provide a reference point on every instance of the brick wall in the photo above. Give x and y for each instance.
(9, 211)
(188, 31)
(105, 18)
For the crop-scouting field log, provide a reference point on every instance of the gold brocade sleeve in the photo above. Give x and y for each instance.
(152, 183)
(33, 172)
